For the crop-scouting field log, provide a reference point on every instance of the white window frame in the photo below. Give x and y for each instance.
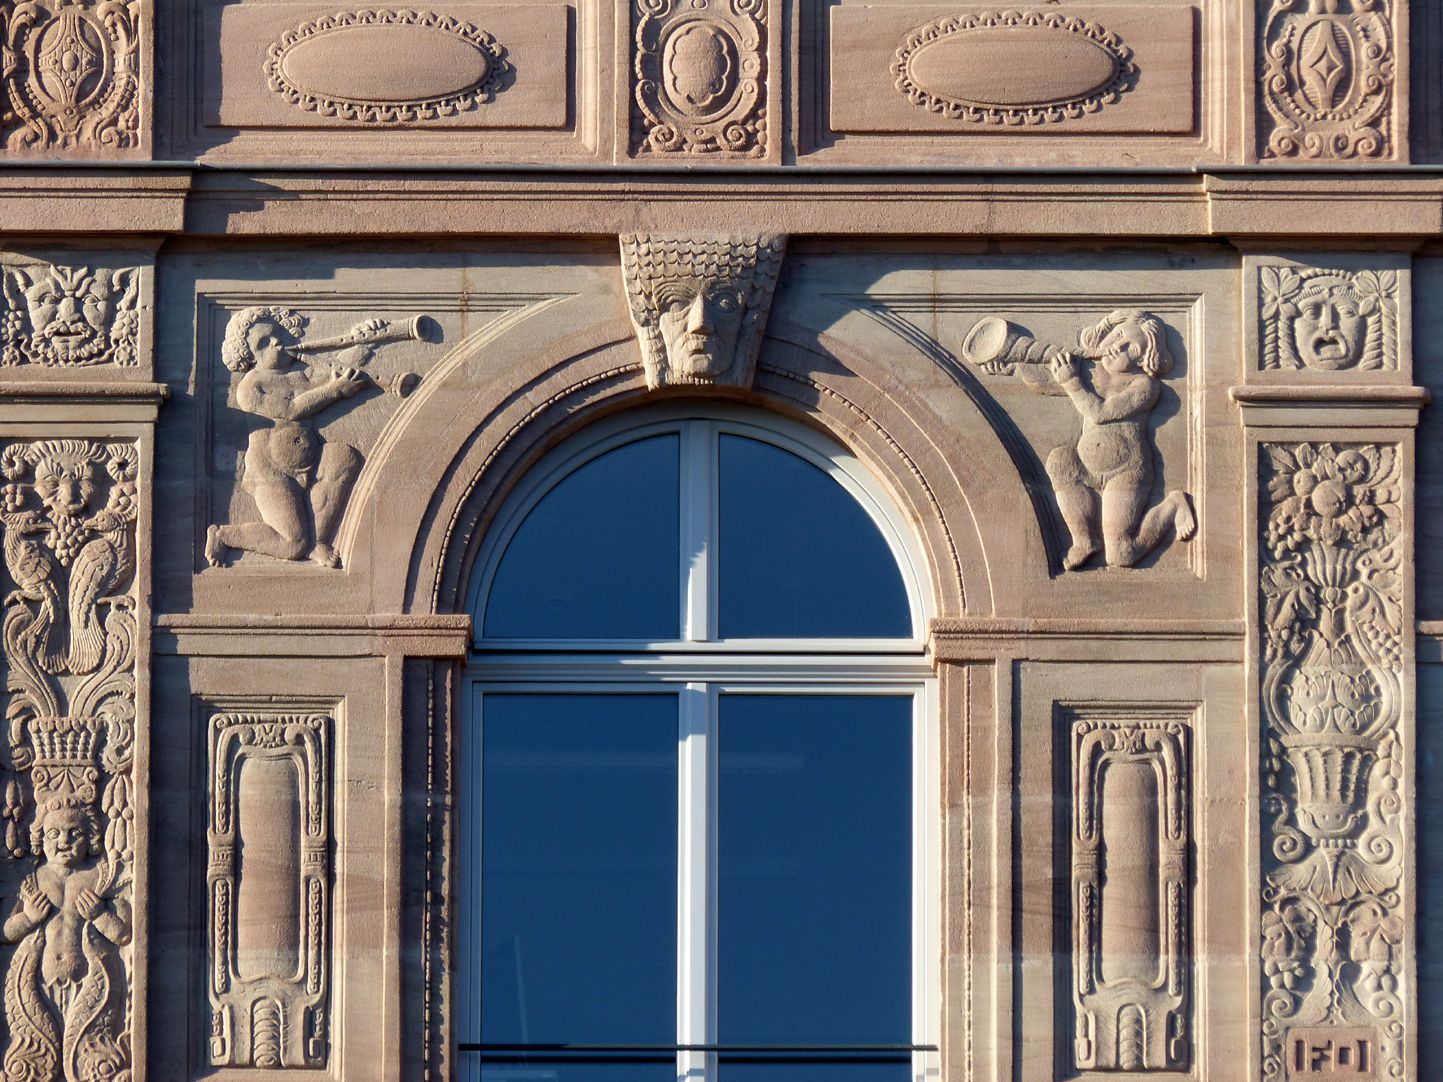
(699, 668)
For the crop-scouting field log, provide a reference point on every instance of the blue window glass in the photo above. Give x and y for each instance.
(799, 557)
(599, 556)
(815, 876)
(578, 898)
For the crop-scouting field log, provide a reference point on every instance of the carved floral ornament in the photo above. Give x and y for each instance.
(1327, 78)
(1328, 320)
(68, 512)
(343, 66)
(982, 68)
(700, 72)
(70, 74)
(1333, 906)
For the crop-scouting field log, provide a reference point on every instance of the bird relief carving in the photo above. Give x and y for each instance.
(68, 512)
(1103, 481)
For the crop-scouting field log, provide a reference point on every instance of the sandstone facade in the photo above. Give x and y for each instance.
(1126, 313)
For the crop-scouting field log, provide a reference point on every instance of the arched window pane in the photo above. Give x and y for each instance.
(599, 556)
(799, 557)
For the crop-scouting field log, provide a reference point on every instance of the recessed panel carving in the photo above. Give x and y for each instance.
(984, 68)
(1334, 897)
(1130, 891)
(1327, 72)
(1329, 318)
(70, 316)
(928, 69)
(700, 77)
(386, 67)
(269, 884)
(71, 77)
(443, 66)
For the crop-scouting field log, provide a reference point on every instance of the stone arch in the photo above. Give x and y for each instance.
(953, 481)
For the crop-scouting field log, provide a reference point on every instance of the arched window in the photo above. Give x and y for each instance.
(699, 782)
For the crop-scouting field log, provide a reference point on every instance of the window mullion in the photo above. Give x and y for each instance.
(697, 470)
(694, 1002)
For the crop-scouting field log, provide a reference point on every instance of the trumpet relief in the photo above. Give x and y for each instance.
(299, 480)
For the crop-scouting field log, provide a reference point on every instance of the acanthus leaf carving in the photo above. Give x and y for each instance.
(1328, 320)
(1130, 850)
(700, 304)
(1327, 74)
(71, 75)
(316, 67)
(269, 977)
(300, 482)
(1333, 909)
(1103, 482)
(59, 316)
(68, 510)
(1090, 67)
(701, 77)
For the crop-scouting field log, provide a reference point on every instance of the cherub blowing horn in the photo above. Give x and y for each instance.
(1113, 378)
(374, 332)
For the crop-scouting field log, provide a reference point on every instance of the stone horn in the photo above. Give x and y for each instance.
(997, 346)
(377, 332)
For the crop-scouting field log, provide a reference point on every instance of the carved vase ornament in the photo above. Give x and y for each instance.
(1329, 320)
(984, 68)
(344, 66)
(70, 75)
(1103, 482)
(1333, 907)
(300, 481)
(69, 515)
(1327, 78)
(700, 304)
(69, 317)
(701, 76)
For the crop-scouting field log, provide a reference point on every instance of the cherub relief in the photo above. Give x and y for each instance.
(298, 480)
(65, 987)
(700, 304)
(70, 316)
(1104, 482)
(66, 559)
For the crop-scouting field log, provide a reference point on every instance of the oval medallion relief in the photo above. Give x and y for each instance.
(699, 67)
(386, 66)
(1014, 67)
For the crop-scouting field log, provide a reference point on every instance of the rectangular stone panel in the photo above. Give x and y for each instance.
(941, 69)
(443, 65)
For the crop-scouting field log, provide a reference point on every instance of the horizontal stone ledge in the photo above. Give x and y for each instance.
(364, 635)
(983, 638)
(1401, 207)
(1330, 406)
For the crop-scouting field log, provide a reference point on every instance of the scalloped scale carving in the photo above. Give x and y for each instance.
(386, 67)
(985, 68)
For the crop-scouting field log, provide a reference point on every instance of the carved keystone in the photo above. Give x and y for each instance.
(700, 304)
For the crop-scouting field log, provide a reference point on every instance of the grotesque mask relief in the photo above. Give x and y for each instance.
(70, 317)
(700, 304)
(69, 518)
(1329, 320)
(299, 480)
(1103, 482)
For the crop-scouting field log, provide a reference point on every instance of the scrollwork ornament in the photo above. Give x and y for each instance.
(700, 71)
(71, 75)
(1333, 915)
(1327, 70)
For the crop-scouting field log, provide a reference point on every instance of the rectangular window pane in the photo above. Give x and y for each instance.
(814, 875)
(815, 1071)
(578, 870)
(653, 1070)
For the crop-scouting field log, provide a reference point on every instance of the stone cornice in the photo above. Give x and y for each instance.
(1391, 206)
